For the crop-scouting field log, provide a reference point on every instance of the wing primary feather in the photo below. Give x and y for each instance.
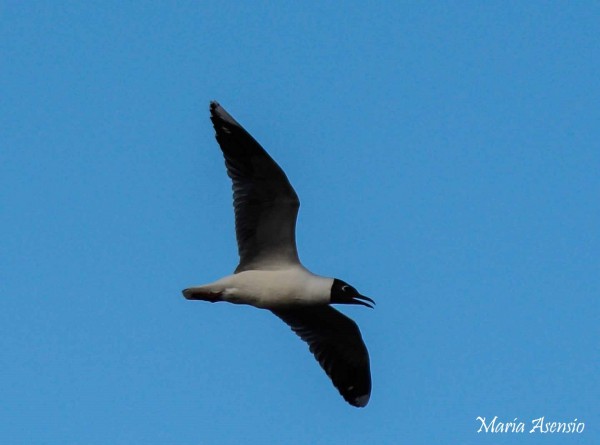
(336, 343)
(265, 203)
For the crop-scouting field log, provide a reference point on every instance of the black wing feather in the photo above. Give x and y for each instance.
(265, 203)
(336, 343)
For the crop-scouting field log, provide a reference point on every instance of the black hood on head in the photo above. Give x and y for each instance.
(343, 293)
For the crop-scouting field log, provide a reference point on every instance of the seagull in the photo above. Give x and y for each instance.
(270, 275)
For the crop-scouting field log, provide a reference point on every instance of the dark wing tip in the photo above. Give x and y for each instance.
(358, 392)
(336, 343)
(221, 119)
(360, 401)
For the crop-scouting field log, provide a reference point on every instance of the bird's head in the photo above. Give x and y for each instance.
(343, 293)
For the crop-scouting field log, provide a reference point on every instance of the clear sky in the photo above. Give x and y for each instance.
(447, 159)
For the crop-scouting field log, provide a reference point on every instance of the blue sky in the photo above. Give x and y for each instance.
(447, 160)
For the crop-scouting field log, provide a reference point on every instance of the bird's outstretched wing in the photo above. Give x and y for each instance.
(336, 343)
(264, 201)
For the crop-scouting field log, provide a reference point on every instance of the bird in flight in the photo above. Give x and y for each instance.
(270, 275)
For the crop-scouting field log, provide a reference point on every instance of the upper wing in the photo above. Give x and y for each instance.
(336, 343)
(265, 203)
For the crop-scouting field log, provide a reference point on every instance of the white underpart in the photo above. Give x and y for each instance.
(295, 286)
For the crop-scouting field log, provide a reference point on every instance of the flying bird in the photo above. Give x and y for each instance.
(270, 275)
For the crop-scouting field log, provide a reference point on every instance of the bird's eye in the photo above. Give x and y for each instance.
(345, 288)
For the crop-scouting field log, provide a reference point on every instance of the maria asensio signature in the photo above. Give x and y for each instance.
(538, 425)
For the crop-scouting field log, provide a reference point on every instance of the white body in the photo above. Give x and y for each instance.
(294, 286)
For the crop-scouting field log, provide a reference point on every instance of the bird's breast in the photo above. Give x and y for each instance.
(272, 289)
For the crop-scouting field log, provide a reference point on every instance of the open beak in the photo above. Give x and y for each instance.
(365, 301)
